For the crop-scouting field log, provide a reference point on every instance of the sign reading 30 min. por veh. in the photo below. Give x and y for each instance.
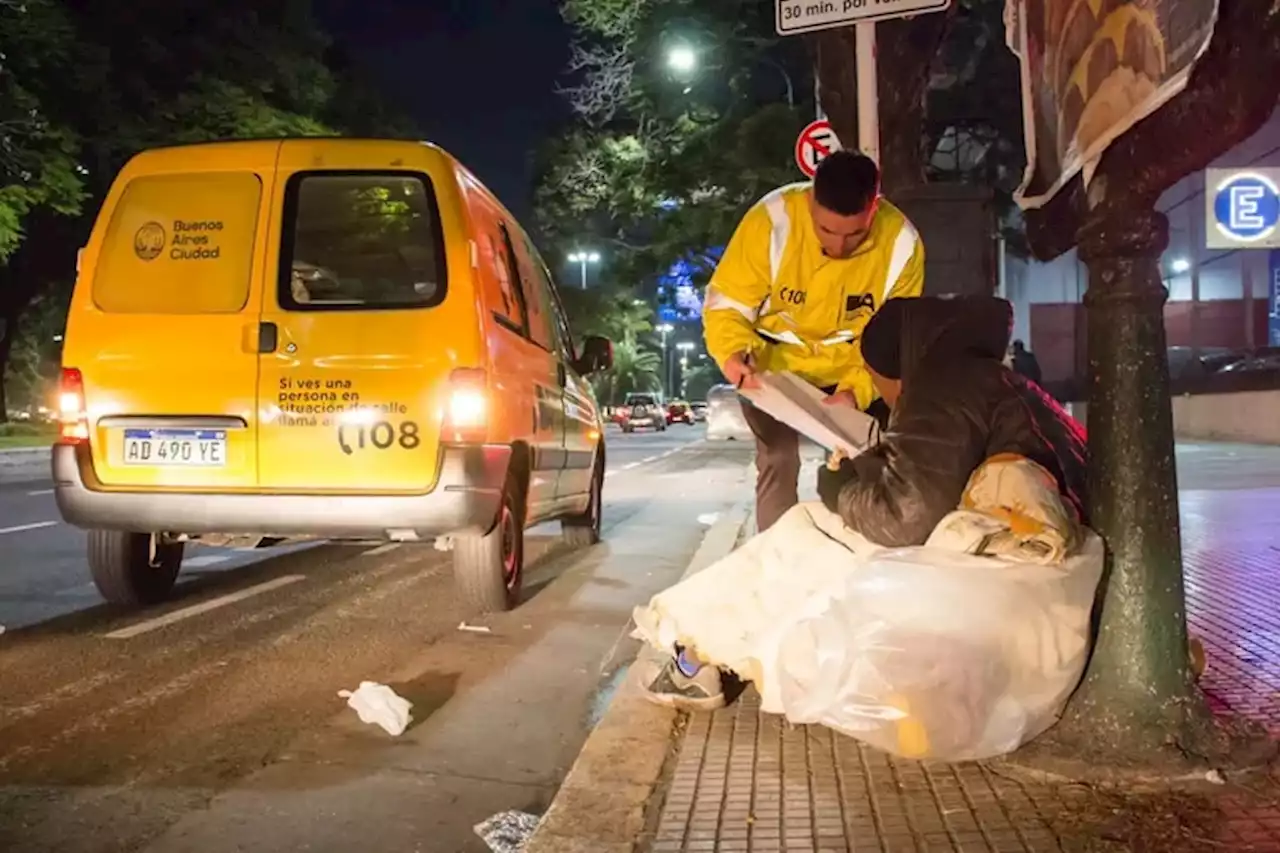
(803, 16)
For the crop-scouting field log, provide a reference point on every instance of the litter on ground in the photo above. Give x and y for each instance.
(379, 705)
(507, 832)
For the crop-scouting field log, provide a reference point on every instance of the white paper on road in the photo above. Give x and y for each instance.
(379, 705)
(799, 405)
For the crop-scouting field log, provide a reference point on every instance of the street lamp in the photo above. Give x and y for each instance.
(664, 329)
(682, 59)
(683, 347)
(584, 258)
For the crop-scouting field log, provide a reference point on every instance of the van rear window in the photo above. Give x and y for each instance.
(180, 244)
(361, 241)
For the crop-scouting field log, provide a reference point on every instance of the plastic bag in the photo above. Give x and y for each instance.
(933, 654)
(963, 648)
(379, 705)
(735, 611)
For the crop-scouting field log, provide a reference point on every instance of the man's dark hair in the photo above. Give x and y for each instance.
(846, 182)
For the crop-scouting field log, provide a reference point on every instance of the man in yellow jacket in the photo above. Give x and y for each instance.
(803, 273)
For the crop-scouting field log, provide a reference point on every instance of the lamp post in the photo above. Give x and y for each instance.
(683, 347)
(664, 329)
(584, 258)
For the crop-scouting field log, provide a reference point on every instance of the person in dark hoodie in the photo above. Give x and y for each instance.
(937, 362)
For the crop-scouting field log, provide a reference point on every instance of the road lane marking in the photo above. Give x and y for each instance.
(630, 465)
(205, 560)
(649, 459)
(204, 607)
(38, 492)
(381, 549)
(22, 527)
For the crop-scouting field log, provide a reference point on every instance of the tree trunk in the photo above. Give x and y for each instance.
(7, 335)
(1138, 690)
(905, 53)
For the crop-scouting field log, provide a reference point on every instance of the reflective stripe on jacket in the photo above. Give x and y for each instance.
(776, 295)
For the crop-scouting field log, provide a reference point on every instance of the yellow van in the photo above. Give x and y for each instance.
(319, 338)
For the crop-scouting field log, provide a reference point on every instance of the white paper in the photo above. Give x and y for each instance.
(379, 705)
(799, 405)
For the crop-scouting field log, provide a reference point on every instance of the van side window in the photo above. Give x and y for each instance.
(533, 284)
(508, 271)
(561, 319)
(357, 241)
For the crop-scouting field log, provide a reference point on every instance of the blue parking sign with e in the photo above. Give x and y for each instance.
(1246, 207)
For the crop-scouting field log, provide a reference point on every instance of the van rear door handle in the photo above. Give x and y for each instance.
(268, 337)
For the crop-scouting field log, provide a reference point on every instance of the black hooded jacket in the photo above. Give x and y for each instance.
(959, 406)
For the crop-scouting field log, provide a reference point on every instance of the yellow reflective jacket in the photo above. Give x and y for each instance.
(775, 294)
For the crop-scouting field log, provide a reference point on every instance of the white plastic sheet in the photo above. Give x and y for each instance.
(930, 652)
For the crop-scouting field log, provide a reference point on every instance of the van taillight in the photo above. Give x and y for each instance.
(466, 413)
(73, 419)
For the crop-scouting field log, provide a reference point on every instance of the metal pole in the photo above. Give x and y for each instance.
(1195, 238)
(817, 93)
(665, 369)
(584, 273)
(868, 93)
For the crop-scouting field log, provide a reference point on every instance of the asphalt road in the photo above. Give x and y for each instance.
(218, 728)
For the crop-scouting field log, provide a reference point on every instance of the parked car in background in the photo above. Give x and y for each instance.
(725, 421)
(680, 412)
(644, 411)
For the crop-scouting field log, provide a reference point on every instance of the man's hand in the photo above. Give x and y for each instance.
(841, 398)
(739, 370)
(831, 482)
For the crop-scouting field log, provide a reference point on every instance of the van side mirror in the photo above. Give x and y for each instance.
(597, 355)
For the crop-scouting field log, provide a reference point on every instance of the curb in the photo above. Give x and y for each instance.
(600, 807)
(20, 453)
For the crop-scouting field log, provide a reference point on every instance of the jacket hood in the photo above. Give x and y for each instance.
(936, 327)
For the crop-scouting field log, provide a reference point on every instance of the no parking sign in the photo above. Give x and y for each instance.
(813, 145)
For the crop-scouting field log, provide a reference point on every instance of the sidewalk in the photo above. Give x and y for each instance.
(738, 781)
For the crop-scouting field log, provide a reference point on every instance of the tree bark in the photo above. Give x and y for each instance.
(905, 52)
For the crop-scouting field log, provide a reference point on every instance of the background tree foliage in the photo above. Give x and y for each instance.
(660, 165)
(84, 85)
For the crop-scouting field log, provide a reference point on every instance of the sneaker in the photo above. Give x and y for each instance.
(669, 686)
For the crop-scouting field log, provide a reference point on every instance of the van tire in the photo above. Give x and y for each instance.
(489, 568)
(583, 531)
(123, 570)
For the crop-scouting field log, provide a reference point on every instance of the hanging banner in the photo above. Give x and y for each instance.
(1091, 69)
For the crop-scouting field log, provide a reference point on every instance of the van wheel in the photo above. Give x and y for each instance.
(489, 569)
(583, 531)
(133, 568)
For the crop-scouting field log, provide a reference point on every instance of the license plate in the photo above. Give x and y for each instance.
(178, 448)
